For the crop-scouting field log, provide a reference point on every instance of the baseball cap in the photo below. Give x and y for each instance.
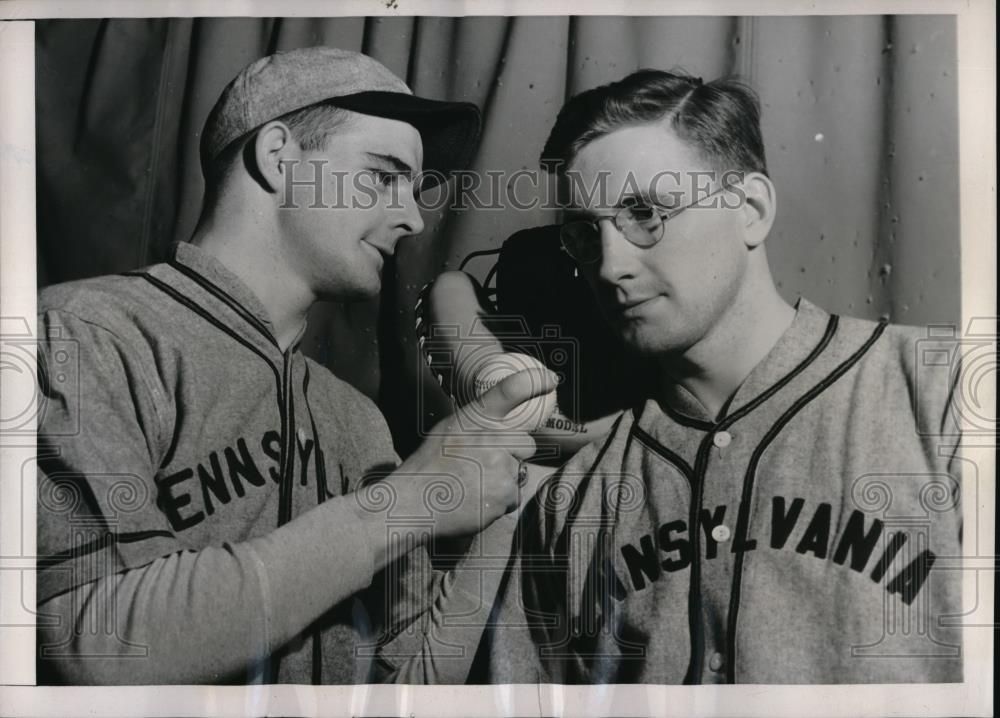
(287, 81)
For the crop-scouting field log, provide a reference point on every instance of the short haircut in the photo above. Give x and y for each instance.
(720, 119)
(311, 127)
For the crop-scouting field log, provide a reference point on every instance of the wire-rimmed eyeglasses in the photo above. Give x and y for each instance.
(641, 223)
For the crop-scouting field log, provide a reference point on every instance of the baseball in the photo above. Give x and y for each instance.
(530, 415)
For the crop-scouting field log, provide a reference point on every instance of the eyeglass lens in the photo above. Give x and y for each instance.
(640, 224)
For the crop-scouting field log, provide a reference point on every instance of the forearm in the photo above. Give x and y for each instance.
(439, 648)
(209, 615)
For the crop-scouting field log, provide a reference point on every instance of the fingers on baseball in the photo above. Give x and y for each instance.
(514, 390)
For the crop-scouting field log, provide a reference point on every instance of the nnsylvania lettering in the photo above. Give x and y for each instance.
(669, 549)
(187, 497)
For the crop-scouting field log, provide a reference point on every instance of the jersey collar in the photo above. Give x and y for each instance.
(214, 271)
(792, 348)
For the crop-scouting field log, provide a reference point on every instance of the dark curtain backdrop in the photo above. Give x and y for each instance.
(859, 119)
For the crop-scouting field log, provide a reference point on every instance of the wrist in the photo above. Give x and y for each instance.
(393, 518)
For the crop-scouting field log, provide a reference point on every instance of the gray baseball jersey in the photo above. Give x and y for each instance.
(185, 429)
(798, 539)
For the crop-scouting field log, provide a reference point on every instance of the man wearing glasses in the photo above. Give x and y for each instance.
(726, 529)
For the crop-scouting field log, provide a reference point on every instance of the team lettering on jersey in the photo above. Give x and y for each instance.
(189, 496)
(669, 550)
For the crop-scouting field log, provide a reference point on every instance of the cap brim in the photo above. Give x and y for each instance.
(449, 130)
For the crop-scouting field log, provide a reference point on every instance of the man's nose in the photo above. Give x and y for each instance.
(410, 221)
(617, 253)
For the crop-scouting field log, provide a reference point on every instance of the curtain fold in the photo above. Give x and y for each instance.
(859, 120)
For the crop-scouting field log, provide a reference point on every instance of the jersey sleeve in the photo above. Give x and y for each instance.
(528, 638)
(492, 615)
(534, 634)
(938, 371)
(509, 651)
(238, 603)
(100, 433)
(439, 644)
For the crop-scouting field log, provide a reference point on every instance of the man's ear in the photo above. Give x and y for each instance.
(274, 153)
(759, 206)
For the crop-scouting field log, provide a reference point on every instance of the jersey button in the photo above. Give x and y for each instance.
(715, 662)
(721, 534)
(722, 439)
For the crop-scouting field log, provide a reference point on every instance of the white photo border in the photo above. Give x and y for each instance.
(19, 697)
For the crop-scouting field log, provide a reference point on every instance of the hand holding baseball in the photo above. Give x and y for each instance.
(528, 415)
(477, 451)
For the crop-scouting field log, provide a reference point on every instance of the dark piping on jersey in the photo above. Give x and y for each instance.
(743, 520)
(695, 619)
(282, 379)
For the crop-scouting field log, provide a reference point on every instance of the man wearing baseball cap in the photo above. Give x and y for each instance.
(212, 505)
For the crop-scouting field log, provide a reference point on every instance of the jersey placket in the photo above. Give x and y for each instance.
(726, 458)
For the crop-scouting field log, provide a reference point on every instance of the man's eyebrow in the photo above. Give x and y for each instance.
(578, 212)
(393, 161)
(627, 199)
(631, 198)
